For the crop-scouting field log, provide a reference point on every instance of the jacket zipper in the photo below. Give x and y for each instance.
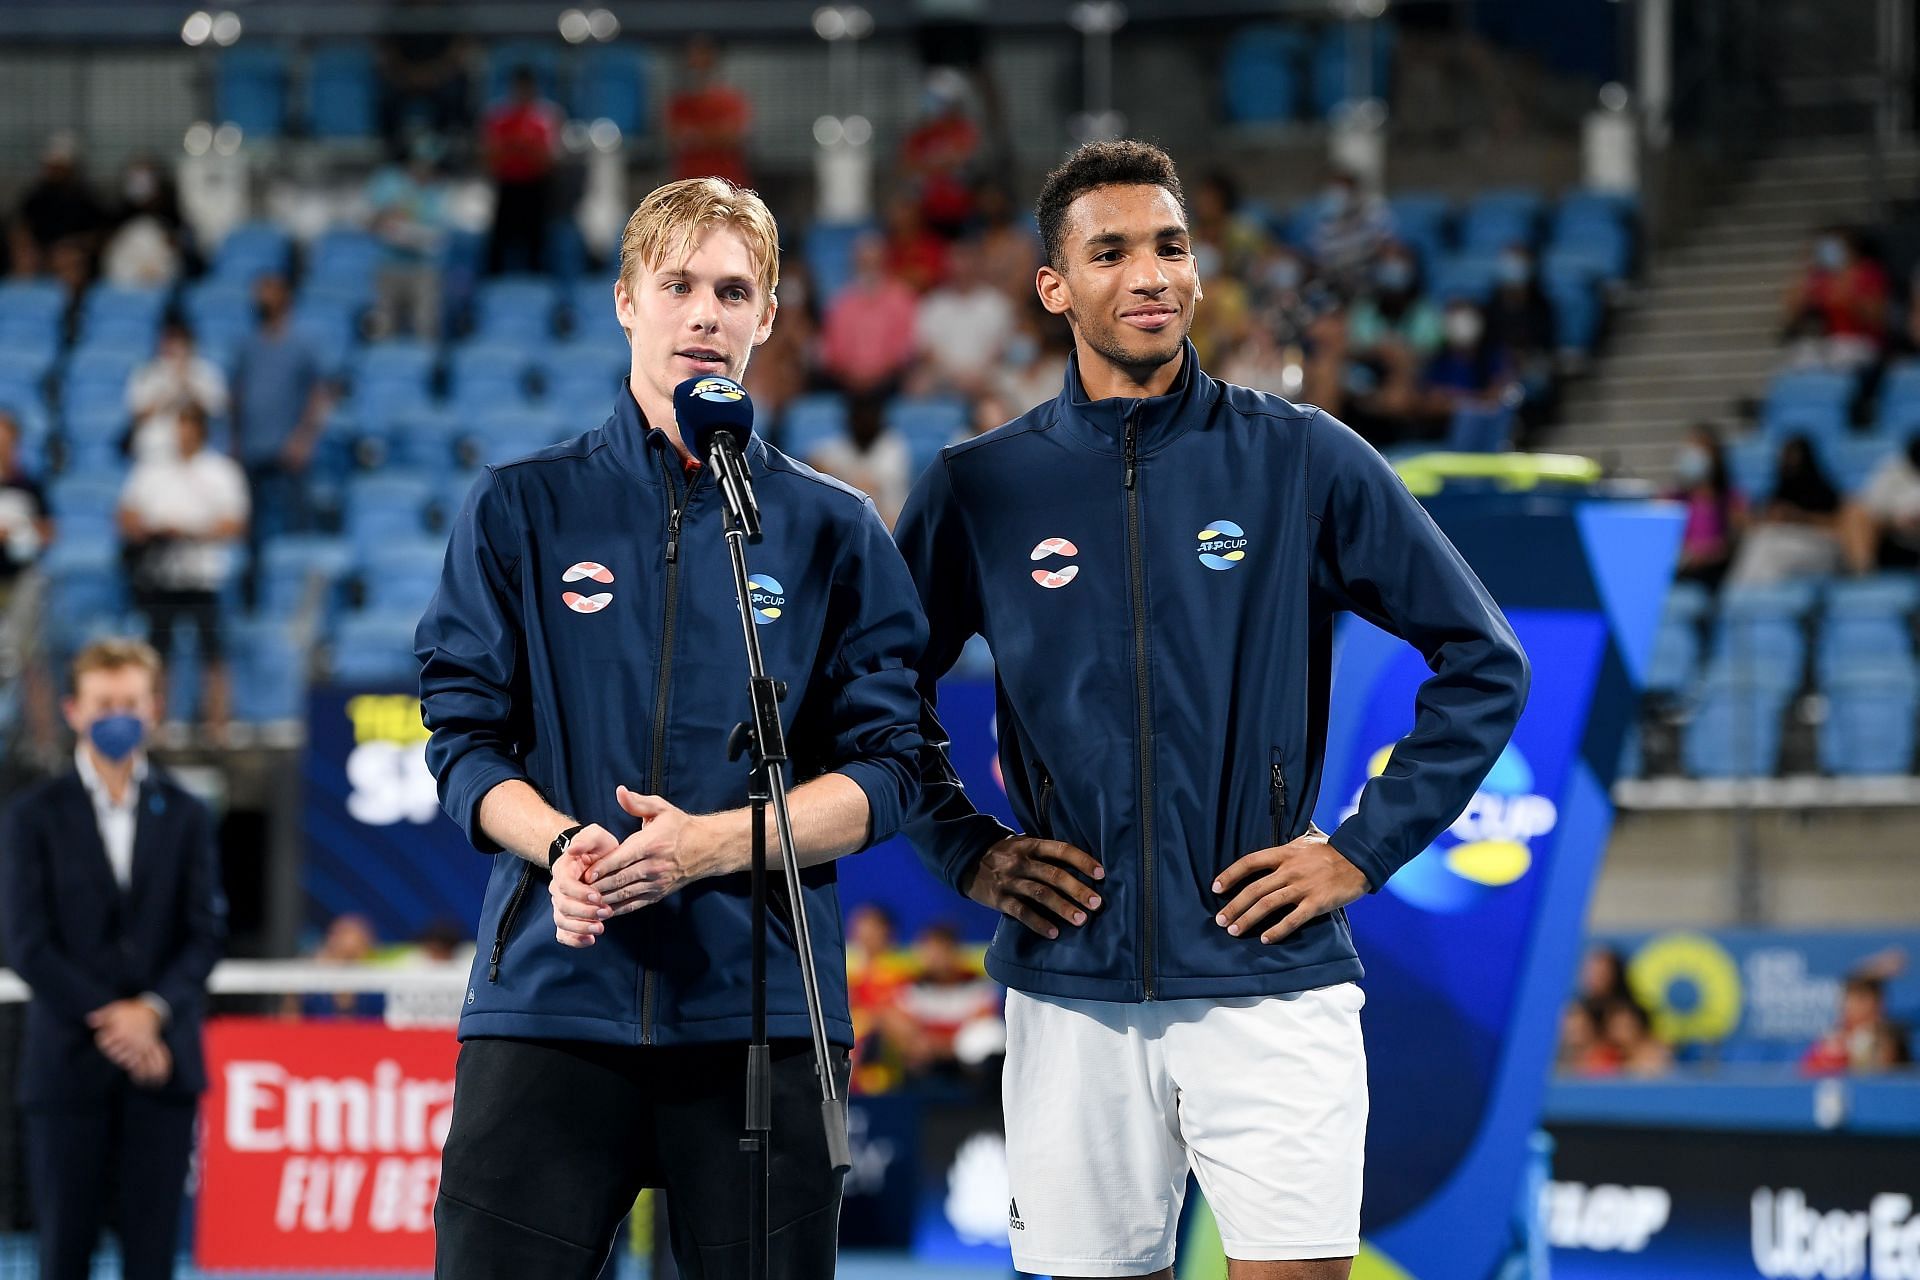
(507, 918)
(1046, 803)
(1142, 694)
(655, 762)
(1278, 787)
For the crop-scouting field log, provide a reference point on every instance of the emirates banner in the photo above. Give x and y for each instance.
(322, 1143)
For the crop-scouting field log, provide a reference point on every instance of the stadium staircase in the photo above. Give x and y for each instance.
(1700, 332)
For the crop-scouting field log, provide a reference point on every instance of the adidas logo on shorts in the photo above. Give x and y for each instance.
(1013, 1216)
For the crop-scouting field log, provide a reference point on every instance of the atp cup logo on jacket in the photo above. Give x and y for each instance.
(1223, 544)
(1488, 847)
(587, 570)
(1046, 549)
(767, 597)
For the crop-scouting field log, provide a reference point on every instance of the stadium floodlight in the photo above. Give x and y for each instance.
(1613, 96)
(859, 22)
(828, 131)
(859, 130)
(199, 139)
(575, 27)
(197, 28)
(226, 28)
(602, 25)
(226, 139)
(830, 22)
(604, 135)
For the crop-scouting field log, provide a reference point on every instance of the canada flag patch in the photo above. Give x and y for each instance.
(587, 571)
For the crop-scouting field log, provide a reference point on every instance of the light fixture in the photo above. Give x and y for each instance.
(226, 139)
(602, 25)
(199, 138)
(226, 28)
(574, 27)
(197, 28)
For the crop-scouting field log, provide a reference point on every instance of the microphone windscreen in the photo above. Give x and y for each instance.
(708, 406)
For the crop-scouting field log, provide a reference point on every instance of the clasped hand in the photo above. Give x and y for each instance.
(128, 1033)
(600, 877)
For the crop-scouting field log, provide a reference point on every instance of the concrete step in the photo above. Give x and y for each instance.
(1731, 248)
(1667, 359)
(1667, 274)
(1653, 407)
(1679, 378)
(1765, 221)
(1707, 346)
(1713, 293)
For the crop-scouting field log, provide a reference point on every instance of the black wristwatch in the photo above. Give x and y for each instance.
(558, 848)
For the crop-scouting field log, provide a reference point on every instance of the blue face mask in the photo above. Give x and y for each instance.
(1283, 274)
(1514, 269)
(1393, 275)
(1693, 466)
(1830, 254)
(117, 737)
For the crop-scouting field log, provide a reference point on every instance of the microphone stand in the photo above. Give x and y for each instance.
(764, 741)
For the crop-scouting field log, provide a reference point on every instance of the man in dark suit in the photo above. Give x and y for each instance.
(111, 909)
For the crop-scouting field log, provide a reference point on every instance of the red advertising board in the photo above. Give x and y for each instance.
(321, 1144)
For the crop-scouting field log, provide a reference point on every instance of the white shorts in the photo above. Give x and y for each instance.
(1108, 1106)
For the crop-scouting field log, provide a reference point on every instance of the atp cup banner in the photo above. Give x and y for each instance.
(321, 1145)
(1470, 949)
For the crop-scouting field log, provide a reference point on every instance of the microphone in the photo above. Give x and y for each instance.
(716, 420)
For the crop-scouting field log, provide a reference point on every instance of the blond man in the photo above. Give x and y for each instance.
(110, 908)
(582, 664)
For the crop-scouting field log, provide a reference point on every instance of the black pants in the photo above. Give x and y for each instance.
(122, 1160)
(552, 1140)
(520, 214)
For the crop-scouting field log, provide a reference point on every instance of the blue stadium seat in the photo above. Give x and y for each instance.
(98, 373)
(84, 585)
(389, 379)
(1861, 643)
(1886, 595)
(1334, 81)
(1688, 602)
(342, 93)
(1676, 654)
(1899, 419)
(269, 677)
(401, 576)
(1734, 731)
(1481, 428)
(1465, 275)
(540, 57)
(829, 253)
(422, 439)
(344, 263)
(1497, 219)
(1901, 382)
(375, 648)
(490, 439)
(927, 424)
(1808, 401)
(1767, 651)
(570, 371)
(24, 365)
(1753, 463)
(29, 409)
(810, 421)
(611, 84)
(250, 250)
(1604, 251)
(217, 304)
(484, 375)
(1577, 313)
(589, 311)
(250, 89)
(1790, 601)
(1423, 221)
(1260, 79)
(289, 564)
(38, 302)
(516, 309)
(331, 327)
(1850, 461)
(387, 506)
(1869, 725)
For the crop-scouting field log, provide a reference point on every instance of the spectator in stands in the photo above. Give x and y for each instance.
(521, 137)
(1583, 1050)
(950, 994)
(1391, 334)
(1629, 1032)
(279, 403)
(1716, 513)
(1034, 365)
(877, 971)
(707, 119)
(870, 456)
(26, 530)
(176, 376)
(939, 155)
(60, 221)
(1880, 527)
(410, 219)
(1009, 251)
(867, 338)
(1836, 313)
(963, 326)
(148, 247)
(1468, 369)
(1603, 976)
(1794, 535)
(424, 80)
(1260, 362)
(1351, 229)
(350, 941)
(1520, 323)
(989, 412)
(782, 366)
(182, 522)
(111, 909)
(1865, 1039)
(914, 254)
(1225, 242)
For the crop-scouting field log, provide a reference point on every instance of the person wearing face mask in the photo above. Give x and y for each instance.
(279, 405)
(1391, 334)
(1836, 313)
(147, 247)
(111, 909)
(1352, 229)
(1880, 528)
(1715, 511)
(1468, 368)
(1794, 534)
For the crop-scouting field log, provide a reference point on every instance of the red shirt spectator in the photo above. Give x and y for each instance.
(867, 339)
(913, 253)
(940, 152)
(521, 135)
(1843, 294)
(707, 121)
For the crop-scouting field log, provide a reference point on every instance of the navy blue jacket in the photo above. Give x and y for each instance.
(584, 636)
(1157, 580)
(80, 942)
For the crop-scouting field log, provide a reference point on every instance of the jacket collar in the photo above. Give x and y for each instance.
(1158, 420)
(646, 451)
